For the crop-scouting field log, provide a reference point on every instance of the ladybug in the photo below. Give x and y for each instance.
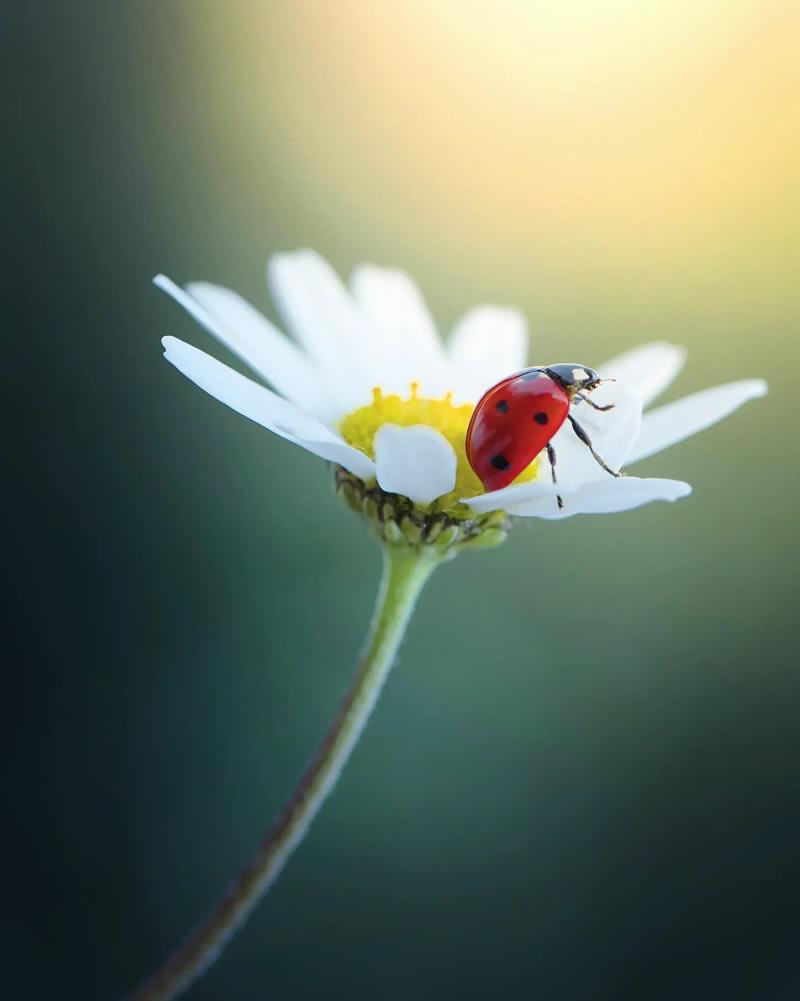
(517, 418)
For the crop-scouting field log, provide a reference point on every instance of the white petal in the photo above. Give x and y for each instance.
(609, 497)
(538, 500)
(264, 407)
(508, 497)
(675, 421)
(417, 462)
(411, 348)
(487, 344)
(612, 434)
(264, 348)
(646, 371)
(325, 321)
(248, 334)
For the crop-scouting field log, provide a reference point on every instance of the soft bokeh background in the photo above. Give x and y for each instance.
(582, 782)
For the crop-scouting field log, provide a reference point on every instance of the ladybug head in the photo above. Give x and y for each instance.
(574, 378)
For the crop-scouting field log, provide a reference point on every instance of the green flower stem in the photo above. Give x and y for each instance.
(406, 569)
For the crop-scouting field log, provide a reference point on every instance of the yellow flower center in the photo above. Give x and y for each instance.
(359, 427)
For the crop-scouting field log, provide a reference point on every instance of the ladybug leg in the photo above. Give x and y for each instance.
(593, 404)
(551, 455)
(584, 437)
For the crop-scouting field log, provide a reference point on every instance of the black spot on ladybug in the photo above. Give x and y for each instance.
(502, 406)
(541, 417)
(500, 462)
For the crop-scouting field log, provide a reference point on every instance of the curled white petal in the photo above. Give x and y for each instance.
(515, 495)
(264, 407)
(324, 319)
(673, 422)
(646, 371)
(250, 336)
(487, 344)
(411, 349)
(417, 462)
(538, 499)
(609, 497)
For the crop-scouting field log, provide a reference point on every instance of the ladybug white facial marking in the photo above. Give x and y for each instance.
(516, 420)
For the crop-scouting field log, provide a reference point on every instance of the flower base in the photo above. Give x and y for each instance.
(398, 521)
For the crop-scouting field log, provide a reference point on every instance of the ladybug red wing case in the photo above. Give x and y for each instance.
(512, 423)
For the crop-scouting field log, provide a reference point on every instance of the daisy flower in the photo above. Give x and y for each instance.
(367, 383)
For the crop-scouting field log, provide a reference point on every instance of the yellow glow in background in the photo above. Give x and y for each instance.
(620, 143)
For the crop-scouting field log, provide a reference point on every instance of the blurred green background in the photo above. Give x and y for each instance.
(582, 781)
